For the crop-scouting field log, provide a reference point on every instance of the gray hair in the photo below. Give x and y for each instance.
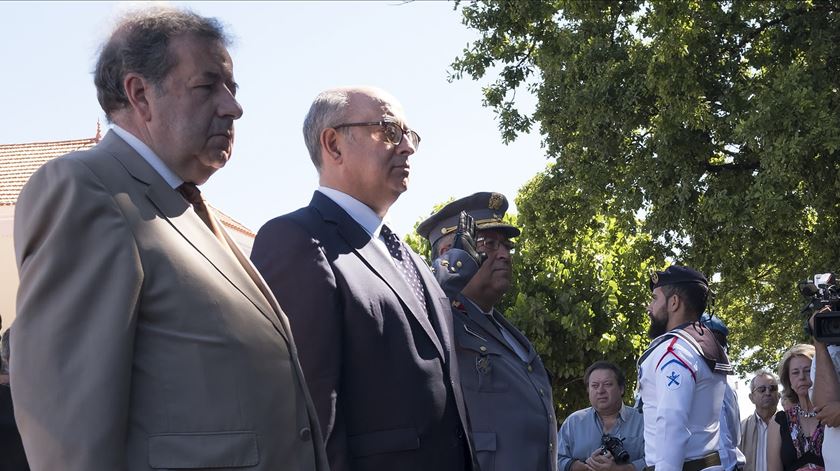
(763, 372)
(5, 352)
(140, 44)
(327, 110)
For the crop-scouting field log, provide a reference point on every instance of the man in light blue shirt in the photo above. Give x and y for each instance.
(579, 442)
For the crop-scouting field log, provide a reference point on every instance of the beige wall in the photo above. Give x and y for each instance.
(8, 268)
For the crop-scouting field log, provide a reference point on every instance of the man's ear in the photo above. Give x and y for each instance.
(331, 144)
(674, 302)
(137, 90)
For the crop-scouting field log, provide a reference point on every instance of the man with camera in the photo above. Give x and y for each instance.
(607, 436)
(682, 376)
(506, 388)
(823, 328)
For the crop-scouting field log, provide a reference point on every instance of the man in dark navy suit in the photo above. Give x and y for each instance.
(373, 327)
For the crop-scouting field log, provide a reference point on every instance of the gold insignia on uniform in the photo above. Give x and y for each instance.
(654, 277)
(496, 200)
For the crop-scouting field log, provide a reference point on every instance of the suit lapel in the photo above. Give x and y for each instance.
(523, 341)
(475, 314)
(378, 262)
(183, 219)
(481, 319)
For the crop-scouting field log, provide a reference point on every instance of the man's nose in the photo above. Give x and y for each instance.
(229, 107)
(406, 147)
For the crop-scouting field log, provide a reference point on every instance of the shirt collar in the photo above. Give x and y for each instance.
(149, 156)
(486, 313)
(357, 210)
(622, 413)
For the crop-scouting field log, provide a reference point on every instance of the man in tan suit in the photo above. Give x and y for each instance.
(144, 338)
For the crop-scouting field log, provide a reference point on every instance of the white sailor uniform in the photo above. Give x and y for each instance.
(682, 399)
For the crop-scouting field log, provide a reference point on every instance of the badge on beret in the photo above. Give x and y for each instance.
(654, 277)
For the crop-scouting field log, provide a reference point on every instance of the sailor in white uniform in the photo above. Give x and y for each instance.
(682, 376)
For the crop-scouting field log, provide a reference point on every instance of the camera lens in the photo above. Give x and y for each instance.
(831, 326)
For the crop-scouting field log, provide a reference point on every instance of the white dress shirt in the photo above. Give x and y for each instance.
(149, 155)
(761, 447)
(362, 214)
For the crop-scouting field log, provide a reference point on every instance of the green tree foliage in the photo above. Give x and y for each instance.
(703, 132)
(581, 289)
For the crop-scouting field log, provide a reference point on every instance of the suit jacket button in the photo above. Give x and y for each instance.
(305, 434)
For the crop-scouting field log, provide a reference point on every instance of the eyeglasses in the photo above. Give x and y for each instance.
(393, 131)
(494, 244)
(763, 389)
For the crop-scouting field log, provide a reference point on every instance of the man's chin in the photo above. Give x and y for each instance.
(215, 160)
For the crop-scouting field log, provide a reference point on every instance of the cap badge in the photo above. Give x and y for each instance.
(496, 200)
(654, 277)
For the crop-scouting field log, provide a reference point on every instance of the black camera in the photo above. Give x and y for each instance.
(823, 291)
(615, 446)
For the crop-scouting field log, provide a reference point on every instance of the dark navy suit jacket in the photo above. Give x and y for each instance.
(381, 372)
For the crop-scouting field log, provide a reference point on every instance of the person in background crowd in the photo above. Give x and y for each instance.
(764, 393)
(795, 435)
(579, 441)
(825, 370)
(730, 415)
(12, 456)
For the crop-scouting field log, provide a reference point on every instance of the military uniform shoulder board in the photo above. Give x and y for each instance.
(705, 345)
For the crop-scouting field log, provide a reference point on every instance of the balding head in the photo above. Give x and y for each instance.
(335, 106)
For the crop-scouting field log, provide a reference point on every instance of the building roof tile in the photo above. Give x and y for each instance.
(19, 161)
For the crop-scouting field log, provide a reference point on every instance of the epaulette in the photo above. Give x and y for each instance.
(702, 341)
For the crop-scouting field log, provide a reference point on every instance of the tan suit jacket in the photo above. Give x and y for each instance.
(749, 440)
(140, 341)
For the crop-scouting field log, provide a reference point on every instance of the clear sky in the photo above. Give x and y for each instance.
(284, 54)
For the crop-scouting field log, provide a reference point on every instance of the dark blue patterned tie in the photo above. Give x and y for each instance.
(404, 263)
